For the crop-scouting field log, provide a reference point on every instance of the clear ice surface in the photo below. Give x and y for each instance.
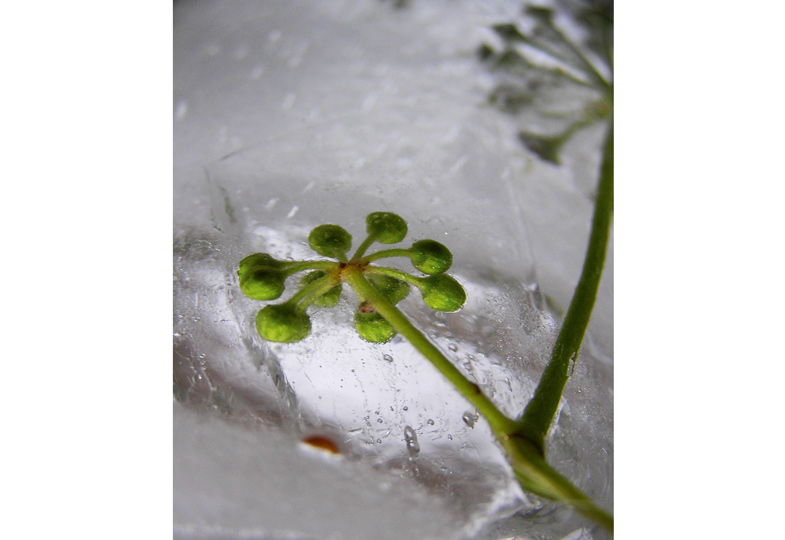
(290, 115)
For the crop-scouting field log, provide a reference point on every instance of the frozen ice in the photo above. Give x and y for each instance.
(290, 115)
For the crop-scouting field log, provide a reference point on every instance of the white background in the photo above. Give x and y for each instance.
(87, 213)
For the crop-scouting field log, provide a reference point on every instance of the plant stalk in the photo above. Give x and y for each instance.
(368, 293)
(531, 470)
(541, 410)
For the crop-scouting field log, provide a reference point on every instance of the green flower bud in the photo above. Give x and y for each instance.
(328, 299)
(330, 240)
(443, 293)
(262, 282)
(431, 257)
(282, 323)
(371, 326)
(386, 227)
(257, 259)
(393, 289)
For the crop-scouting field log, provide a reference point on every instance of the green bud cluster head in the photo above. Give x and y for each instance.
(257, 259)
(371, 326)
(431, 257)
(282, 323)
(386, 227)
(393, 289)
(328, 299)
(442, 293)
(330, 240)
(261, 277)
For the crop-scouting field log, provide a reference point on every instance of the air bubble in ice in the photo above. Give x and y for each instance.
(411, 440)
(469, 419)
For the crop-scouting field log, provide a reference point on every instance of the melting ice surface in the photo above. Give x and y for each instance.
(290, 117)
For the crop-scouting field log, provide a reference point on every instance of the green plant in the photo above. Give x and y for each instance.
(377, 319)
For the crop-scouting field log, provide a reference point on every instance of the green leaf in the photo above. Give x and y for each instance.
(330, 241)
(386, 227)
(282, 323)
(262, 283)
(393, 289)
(431, 257)
(371, 326)
(443, 293)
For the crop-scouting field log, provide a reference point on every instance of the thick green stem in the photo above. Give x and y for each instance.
(368, 293)
(536, 476)
(541, 410)
(530, 468)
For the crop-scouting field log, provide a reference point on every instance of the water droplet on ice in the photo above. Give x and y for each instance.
(388, 357)
(430, 422)
(453, 347)
(411, 440)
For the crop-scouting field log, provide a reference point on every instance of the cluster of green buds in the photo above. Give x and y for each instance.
(263, 277)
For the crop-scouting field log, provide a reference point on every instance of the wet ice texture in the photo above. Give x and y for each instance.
(289, 117)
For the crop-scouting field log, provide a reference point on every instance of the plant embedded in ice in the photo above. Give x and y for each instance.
(379, 288)
(377, 319)
(543, 58)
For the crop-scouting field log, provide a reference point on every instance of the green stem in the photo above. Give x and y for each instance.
(368, 293)
(394, 252)
(364, 246)
(592, 71)
(530, 468)
(541, 410)
(536, 476)
(306, 295)
(397, 274)
(293, 267)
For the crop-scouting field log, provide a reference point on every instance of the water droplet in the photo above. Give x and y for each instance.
(378, 441)
(430, 422)
(405, 408)
(388, 357)
(469, 419)
(379, 421)
(449, 437)
(411, 440)
(453, 347)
